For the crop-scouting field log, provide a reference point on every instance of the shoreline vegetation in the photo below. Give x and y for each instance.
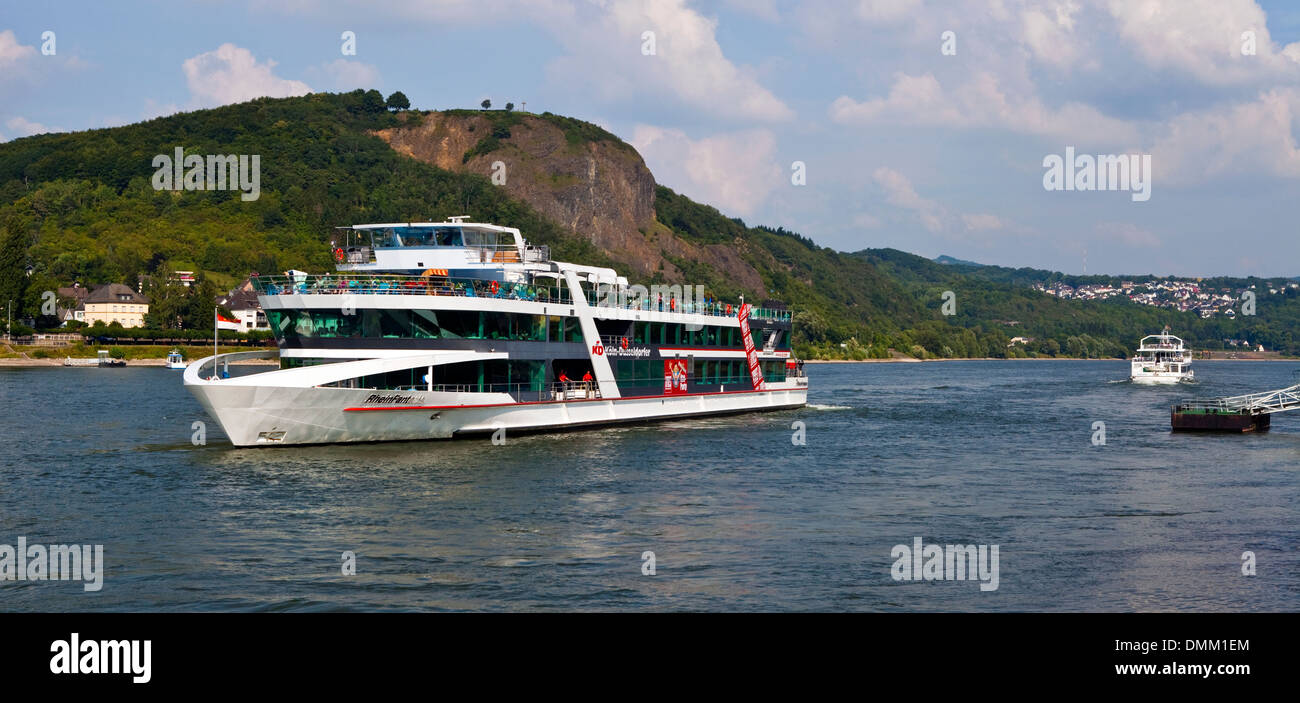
(134, 355)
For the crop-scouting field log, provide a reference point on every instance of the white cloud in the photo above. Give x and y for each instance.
(344, 75)
(153, 108)
(1049, 33)
(231, 74)
(602, 60)
(900, 193)
(11, 51)
(1201, 38)
(605, 60)
(1250, 138)
(23, 127)
(734, 172)
(980, 103)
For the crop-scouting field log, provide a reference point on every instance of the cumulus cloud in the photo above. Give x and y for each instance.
(11, 51)
(22, 127)
(605, 58)
(231, 74)
(344, 75)
(1201, 38)
(1256, 137)
(900, 193)
(602, 60)
(735, 171)
(980, 103)
(1049, 33)
(932, 215)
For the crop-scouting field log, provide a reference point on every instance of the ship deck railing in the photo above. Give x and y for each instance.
(394, 284)
(1253, 403)
(520, 392)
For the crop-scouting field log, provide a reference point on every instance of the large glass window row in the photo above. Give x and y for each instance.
(639, 372)
(710, 336)
(414, 324)
(488, 376)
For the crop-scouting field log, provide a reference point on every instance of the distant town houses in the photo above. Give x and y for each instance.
(242, 303)
(1182, 295)
(107, 303)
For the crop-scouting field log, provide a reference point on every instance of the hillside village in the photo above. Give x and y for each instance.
(1184, 295)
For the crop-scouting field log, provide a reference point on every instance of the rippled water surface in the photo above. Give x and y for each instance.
(738, 517)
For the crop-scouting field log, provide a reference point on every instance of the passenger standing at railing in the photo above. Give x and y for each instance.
(661, 302)
(672, 302)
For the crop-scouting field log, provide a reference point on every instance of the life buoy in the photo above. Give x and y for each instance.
(338, 255)
(493, 287)
(625, 342)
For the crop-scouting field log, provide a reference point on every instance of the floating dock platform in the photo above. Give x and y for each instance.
(1200, 419)
(1239, 413)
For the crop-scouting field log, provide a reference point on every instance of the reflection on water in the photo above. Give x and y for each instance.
(738, 517)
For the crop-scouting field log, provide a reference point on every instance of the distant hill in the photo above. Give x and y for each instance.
(81, 207)
(948, 260)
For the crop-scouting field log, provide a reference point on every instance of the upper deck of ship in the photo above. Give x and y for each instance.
(1160, 342)
(454, 245)
(481, 260)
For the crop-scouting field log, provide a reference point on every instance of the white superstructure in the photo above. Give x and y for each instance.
(437, 330)
(1161, 358)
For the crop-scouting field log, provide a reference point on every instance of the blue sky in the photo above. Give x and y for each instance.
(904, 145)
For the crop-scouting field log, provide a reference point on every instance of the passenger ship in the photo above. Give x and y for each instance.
(1161, 358)
(441, 330)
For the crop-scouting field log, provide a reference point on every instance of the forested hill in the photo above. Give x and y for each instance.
(81, 207)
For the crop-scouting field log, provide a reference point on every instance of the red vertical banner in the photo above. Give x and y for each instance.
(751, 355)
(674, 376)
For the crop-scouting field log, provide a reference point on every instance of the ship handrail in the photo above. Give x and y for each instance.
(349, 283)
(195, 371)
(1266, 402)
(520, 392)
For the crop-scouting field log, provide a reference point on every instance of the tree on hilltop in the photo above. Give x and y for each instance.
(398, 101)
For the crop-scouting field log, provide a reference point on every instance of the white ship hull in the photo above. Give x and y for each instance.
(257, 415)
(1160, 377)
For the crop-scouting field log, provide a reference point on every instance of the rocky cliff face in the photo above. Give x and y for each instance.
(599, 189)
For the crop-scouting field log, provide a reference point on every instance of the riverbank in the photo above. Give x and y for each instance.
(129, 362)
(990, 358)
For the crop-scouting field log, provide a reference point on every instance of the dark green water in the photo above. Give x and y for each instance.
(738, 517)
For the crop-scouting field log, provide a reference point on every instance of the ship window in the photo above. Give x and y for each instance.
(450, 237)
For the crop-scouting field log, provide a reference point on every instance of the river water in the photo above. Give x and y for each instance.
(737, 515)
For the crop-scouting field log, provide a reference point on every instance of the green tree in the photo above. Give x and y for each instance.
(398, 101)
(14, 242)
(487, 104)
(373, 102)
(510, 106)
